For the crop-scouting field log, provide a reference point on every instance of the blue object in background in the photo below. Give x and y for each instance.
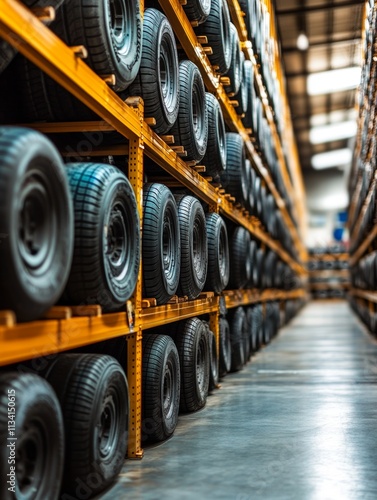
(338, 234)
(342, 217)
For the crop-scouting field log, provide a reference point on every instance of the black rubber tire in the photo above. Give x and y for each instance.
(238, 337)
(249, 119)
(240, 269)
(235, 69)
(271, 222)
(7, 51)
(106, 256)
(222, 307)
(194, 248)
(191, 127)
(93, 392)
(36, 456)
(242, 95)
(251, 202)
(88, 23)
(161, 387)
(161, 243)
(251, 318)
(197, 10)
(233, 178)
(261, 319)
(265, 207)
(259, 260)
(246, 184)
(225, 357)
(279, 275)
(269, 266)
(252, 257)
(215, 157)
(36, 223)
(158, 79)
(258, 209)
(111, 33)
(218, 253)
(213, 360)
(217, 30)
(255, 272)
(192, 343)
(44, 100)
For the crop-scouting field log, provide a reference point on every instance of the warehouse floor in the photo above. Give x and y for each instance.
(299, 422)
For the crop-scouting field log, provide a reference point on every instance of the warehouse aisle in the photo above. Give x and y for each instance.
(299, 422)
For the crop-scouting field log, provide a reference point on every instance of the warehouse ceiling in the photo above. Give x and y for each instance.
(329, 36)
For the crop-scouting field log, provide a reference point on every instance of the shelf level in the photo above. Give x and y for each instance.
(22, 341)
(356, 256)
(195, 52)
(364, 294)
(236, 298)
(296, 192)
(48, 52)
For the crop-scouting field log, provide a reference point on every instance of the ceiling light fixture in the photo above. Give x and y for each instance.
(334, 80)
(333, 132)
(331, 159)
(302, 42)
(340, 115)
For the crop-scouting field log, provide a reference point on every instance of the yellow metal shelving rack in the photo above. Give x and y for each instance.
(66, 328)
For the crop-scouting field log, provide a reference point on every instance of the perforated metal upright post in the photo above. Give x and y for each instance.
(134, 341)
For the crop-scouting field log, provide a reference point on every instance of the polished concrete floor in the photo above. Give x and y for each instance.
(299, 422)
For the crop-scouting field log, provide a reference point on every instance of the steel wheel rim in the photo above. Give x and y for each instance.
(197, 112)
(168, 390)
(121, 25)
(200, 363)
(107, 426)
(30, 459)
(117, 250)
(197, 246)
(37, 224)
(168, 248)
(222, 257)
(221, 137)
(166, 74)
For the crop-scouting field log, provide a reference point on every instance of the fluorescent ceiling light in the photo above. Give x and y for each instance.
(337, 116)
(336, 201)
(302, 42)
(333, 132)
(330, 159)
(335, 80)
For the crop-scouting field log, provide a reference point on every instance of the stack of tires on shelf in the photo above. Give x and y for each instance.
(70, 235)
(362, 181)
(328, 272)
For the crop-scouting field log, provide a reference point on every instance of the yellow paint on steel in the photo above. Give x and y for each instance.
(235, 298)
(160, 315)
(298, 193)
(29, 36)
(188, 41)
(44, 337)
(54, 57)
(364, 294)
(134, 342)
(214, 326)
(134, 374)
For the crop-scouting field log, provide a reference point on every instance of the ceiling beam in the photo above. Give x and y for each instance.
(294, 48)
(316, 8)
